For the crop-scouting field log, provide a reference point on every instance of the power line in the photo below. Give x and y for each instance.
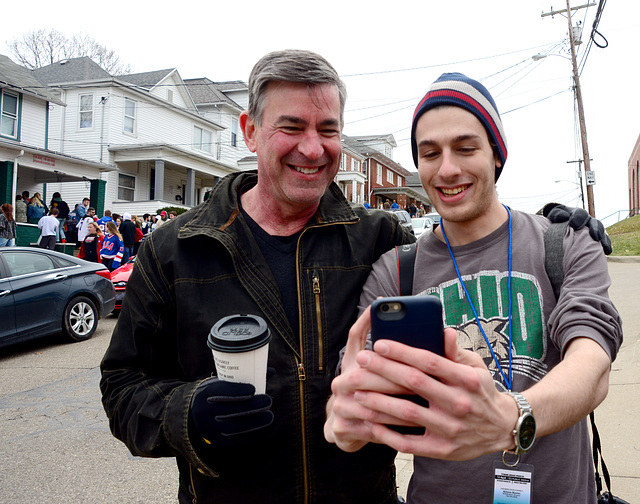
(437, 65)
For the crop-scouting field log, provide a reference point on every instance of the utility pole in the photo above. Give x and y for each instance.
(589, 174)
(579, 161)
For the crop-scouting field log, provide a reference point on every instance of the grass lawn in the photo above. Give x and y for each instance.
(625, 237)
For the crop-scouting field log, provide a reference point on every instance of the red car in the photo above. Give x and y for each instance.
(119, 278)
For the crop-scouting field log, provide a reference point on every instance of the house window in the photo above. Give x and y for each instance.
(202, 139)
(343, 162)
(379, 175)
(86, 111)
(355, 165)
(170, 95)
(389, 176)
(9, 117)
(126, 187)
(234, 132)
(129, 116)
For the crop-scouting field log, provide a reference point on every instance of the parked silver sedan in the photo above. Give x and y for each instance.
(43, 292)
(421, 224)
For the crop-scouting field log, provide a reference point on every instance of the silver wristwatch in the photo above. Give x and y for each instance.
(524, 433)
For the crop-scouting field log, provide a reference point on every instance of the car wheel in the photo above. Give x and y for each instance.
(80, 319)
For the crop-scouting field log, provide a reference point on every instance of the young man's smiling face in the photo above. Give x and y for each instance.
(457, 165)
(297, 143)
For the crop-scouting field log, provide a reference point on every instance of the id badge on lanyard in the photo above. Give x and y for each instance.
(512, 485)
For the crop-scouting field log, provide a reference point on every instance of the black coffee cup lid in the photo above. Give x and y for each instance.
(239, 333)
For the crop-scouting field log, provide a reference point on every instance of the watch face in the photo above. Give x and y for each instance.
(527, 432)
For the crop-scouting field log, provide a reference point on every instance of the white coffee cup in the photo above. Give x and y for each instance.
(240, 346)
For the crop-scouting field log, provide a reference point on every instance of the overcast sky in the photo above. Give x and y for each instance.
(388, 53)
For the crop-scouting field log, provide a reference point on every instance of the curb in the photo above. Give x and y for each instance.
(624, 259)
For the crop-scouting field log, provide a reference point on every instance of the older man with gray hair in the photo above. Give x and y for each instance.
(282, 244)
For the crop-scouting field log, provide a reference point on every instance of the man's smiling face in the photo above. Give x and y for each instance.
(297, 143)
(456, 164)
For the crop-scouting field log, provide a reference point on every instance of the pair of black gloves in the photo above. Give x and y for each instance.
(578, 218)
(225, 413)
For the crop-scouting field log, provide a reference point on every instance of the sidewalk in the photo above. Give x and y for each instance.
(617, 418)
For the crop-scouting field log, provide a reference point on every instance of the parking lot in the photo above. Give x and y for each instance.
(56, 444)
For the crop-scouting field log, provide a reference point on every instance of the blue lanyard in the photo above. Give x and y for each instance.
(508, 381)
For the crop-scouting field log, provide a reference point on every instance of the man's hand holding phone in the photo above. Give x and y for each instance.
(349, 423)
(406, 319)
(467, 416)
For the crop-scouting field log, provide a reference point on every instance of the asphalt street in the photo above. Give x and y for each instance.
(56, 444)
(55, 438)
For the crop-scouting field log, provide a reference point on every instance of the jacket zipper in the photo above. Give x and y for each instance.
(316, 292)
(302, 376)
(305, 467)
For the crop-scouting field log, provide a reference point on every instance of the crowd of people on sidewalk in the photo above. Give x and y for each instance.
(112, 239)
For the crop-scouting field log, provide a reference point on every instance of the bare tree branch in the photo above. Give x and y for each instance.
(39, 48)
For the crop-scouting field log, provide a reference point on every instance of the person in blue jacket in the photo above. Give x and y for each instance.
(112, 248)
(36, 209)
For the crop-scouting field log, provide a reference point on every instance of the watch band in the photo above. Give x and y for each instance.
(521, 401)
(524, 433)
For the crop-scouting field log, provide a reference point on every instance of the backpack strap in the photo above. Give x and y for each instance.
(554, 255)
(406, 257)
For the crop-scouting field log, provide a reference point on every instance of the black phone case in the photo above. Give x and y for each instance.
(418, 323)
(414, 321)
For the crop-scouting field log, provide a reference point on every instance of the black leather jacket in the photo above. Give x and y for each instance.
(205, 265)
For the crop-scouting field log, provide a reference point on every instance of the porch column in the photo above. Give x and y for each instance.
(190, 191)
(6, 181)
(97, 194)
(159, 186)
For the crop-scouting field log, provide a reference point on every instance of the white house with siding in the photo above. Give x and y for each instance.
(28, 162)
(146, 125)
(222, 103)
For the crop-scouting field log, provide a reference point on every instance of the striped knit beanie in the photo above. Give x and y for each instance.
(461, 91)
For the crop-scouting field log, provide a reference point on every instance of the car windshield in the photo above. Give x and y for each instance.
(417, 223)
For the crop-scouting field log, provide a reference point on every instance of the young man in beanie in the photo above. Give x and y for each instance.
(521, 370)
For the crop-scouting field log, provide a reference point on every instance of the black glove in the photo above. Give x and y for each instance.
(225, 413)
(578, 218)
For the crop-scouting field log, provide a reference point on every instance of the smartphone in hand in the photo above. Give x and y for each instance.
(414, 321)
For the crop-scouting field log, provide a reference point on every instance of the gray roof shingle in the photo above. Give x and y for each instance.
(71, 70)
(21, 79)
(205, 91)
(147, 80)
